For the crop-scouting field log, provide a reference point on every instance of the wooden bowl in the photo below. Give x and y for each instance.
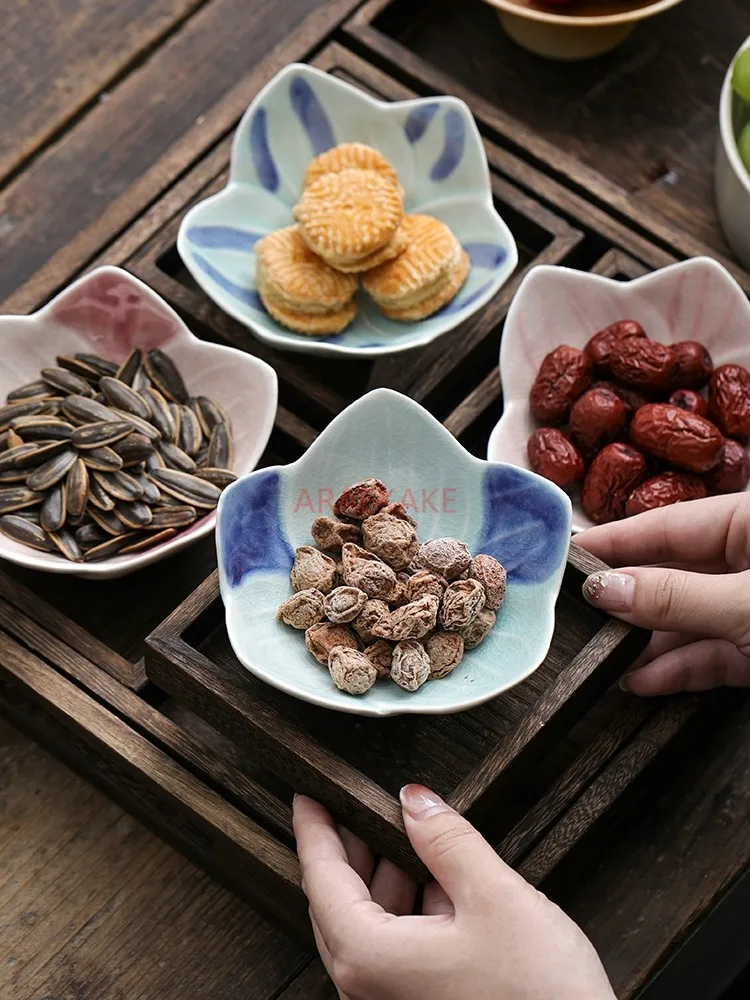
(581, 30)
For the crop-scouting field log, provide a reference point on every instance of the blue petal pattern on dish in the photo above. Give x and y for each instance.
(453, 146)
(310, 112)
(246, 295)
(460, 303)
(265, 167)
(222, 238)
(252, 540)
(525, 525)
(488, 255)
(418, 120)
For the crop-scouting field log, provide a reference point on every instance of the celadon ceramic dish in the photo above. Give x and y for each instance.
(433, 143)
(732, 178)
(694, 300)
(514, 515)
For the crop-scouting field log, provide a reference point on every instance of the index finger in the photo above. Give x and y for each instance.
(696, 531)
(333, 888)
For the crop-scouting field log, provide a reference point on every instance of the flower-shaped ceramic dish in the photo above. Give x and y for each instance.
(434, 145)
(514, 515)
(732, 177)
(694, 300)
(109, 312)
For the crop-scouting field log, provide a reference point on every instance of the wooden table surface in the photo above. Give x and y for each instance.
(95, 97)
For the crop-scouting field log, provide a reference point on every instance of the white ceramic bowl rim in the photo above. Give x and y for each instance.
(581, 20)
(726, 124)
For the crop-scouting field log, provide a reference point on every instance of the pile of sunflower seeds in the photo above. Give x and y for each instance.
(99, 459)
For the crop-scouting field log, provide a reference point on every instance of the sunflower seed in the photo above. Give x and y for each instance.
(99, 433)
(209, 413)
(14, 439)
(41, 453)
(26, 532)
(98, 363)
(119, 485)
(13, 476)
(130, 366)
(220, 450)
(175, 411)
(201, 459)
(42, 428)
(151, 492)
(79, 368)
(191, 432)
(134, 448)
(52, 471)
(138, 423)
(103, 459)
(99, 497)
(89, 535)
(134, 515)
(14, 498)
(155, 461)
(141, 381)
(107, 521)
(67, 382)
(175, 457)
(109, 548)
(4, 440)
(54, 511)
(161, 414)
(29, 514)
(163, 373)
(86, 411)
(219, 477)
(8, 459)
(66, 543)
(32, 390)
(77, 489)
(186, 487)
(25, 409)
(148, 542)
(172, 517)
(122, 397)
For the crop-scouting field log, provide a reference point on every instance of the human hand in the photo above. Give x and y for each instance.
(483, 932)
(697, 601)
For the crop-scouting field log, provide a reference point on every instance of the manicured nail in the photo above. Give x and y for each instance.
(419, 802)
(610, 591)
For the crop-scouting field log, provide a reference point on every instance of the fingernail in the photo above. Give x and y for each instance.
(623, 682)
(419, 802)
(610, 591)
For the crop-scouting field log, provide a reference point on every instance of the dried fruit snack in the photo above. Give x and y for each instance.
(405, 612)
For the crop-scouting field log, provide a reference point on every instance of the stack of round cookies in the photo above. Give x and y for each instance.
(350, 221)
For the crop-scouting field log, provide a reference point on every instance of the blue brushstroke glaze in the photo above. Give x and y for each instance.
(310, 112)
(463, 302)
(248, 296)
(252, 540)
(526, 525)
(488, 255)
(418, 121)
(454, 131)
(222, 238)
(263, 162)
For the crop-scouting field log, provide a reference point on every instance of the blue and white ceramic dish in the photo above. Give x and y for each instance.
(434, 145)
(514, 515)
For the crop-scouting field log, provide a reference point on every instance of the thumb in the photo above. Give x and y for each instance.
(461, 860)
(670, 600)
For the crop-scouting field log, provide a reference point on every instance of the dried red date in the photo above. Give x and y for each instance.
(663, 491)
(672, 435)
(555, 457)
(732, 473)
(694, 365)
(729, 399)
(563, 376)
(602, 344)
(632, 399)
(690, 401)
(644, 364)
(596, 419)
(614, 474)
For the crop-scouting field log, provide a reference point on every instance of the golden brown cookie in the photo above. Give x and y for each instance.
(296, 278)
(446, 290)
(349, 215)
(392, 249)
(312, 324)
(433, 253)
(349, 155)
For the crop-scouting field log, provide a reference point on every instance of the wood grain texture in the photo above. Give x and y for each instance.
(59, 56)
(93, 905)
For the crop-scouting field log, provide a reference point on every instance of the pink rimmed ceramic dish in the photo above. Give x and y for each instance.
(694, 300)
(109, 312)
